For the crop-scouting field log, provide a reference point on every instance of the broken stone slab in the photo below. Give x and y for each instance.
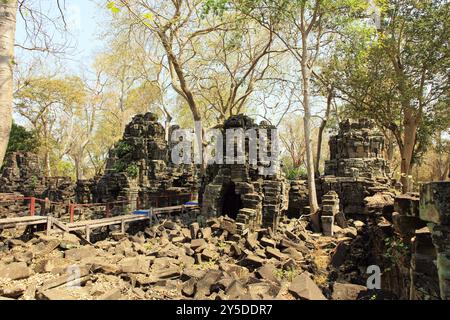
(204, 284)
(15, 271)
(285, 243)
(268, 272)
(169, 224)
(347, 291)
(434, 202)
(340, 254)
(206, 233)
(236, 250)
(251, 243)
(293, 253)
(235, 271)
(106, 268)
(236, 291)
(135, 265)
(190, 272)
(74, 276)
(304, 287)
(169, 273)
(113, 294)
(189, 287)
(229, 226)
(209, 255)
(13, 292)
(253, 261)
(194, 230)
(197, 243)
(407, 204)
(275, 253)
(268, 242)
(62, 293)
(358, 224)
(26, 256)
(80, 253)
(186, 260)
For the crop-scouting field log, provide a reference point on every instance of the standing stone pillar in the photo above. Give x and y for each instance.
(435, 208)
(132, 195)
(330, 207)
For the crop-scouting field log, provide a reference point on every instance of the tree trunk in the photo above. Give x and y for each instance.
(390, 148)
(48, 168)
(321, 129)
(78, 168)
(314, 206)
(8, 10)
(409, 141)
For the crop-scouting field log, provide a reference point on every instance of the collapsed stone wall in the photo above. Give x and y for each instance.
(139, 169)
(138, 173)
(242, 191)
(22, 176)
(404, 238)
(356, 168)
(357, 151)
(435, 210)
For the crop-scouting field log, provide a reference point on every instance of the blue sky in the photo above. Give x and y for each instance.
(82, 17)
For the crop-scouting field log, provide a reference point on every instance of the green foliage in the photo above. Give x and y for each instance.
(64, 168)
(401, 67)
(216, 7)
(111, 5)
(395, 251)
(123, 152)
(34, 181)
(22, 140)
(122, 149)
(287, 275)
(132, 171)
(296, 173)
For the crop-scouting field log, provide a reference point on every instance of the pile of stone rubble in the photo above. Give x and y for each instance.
(172, 260)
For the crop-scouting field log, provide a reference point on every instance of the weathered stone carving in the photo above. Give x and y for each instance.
(240, 190)
(330, 208)
(356, 168)
(435, 208)
(139, 170)
(22, 174)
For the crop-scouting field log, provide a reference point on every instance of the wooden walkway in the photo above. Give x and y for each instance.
(88, 225)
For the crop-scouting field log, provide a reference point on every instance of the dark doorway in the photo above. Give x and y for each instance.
(231, 202)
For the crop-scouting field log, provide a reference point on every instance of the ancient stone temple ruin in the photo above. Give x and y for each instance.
(140, 172)
(22, 174)
(356, 168)
(22, 177)
(242, 191)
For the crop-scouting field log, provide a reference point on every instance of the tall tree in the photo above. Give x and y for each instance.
(22, 140)
(403, 74)
(8, 10)
(38, 39)
(305, 28)
(49, 105)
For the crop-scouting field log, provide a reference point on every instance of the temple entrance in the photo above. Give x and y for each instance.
(231, 202)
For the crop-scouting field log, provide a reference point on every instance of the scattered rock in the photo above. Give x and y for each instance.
(347, 291)
(80, 253)
(304, 288)
(15, 271)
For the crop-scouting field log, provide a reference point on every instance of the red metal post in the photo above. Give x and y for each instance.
(72, 212)
(107, 210)
(32, 206)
